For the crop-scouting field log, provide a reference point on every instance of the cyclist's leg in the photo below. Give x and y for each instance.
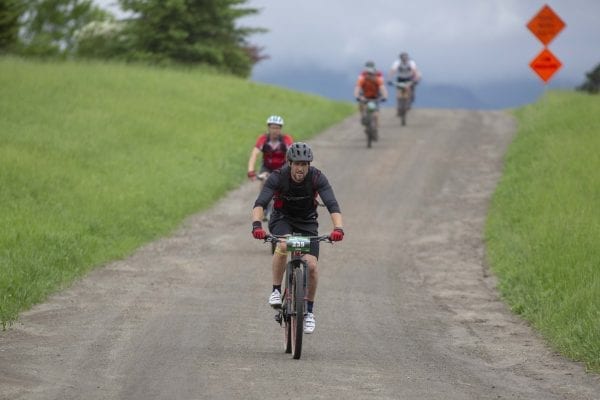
(278, 226)
(362, 112)
(313, 276)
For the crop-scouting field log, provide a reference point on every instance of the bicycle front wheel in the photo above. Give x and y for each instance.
(297, 317)
(287, 307)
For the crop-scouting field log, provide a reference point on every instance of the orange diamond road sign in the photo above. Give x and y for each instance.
(546, 24)
(545, 65)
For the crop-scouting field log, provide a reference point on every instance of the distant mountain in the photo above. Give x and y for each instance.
(447, 96)
(481, 96)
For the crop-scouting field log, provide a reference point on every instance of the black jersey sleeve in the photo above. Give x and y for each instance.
(268, 190)
(326, 193)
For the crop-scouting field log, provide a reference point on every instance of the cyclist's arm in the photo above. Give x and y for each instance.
(258, 213)
(357, 88)
(264, 197)
(382, 89)
(327, 196)
(416, 72)
(336, 220)
(253, 157)
(267, 192)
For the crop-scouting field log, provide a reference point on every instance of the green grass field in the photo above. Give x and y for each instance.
(543, 228)
(97, 159)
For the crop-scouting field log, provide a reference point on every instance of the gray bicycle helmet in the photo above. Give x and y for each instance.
(299, 152)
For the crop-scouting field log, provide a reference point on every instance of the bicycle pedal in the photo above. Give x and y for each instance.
(276, 306)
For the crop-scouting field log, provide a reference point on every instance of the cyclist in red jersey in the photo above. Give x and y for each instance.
(273, 145)
(370, 86)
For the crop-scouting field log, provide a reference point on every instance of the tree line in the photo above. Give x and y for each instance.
(182, 32)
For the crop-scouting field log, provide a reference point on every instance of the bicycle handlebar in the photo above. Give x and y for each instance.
(275, 239)
(262, 176)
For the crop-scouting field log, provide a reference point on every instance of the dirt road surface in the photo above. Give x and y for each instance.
(406, 307)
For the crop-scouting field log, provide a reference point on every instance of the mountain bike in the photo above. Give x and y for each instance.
(290, 315)
(403, 99)
(369, 121)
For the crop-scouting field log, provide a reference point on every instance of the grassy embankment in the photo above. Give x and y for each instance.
(97, 159)
(543, 229)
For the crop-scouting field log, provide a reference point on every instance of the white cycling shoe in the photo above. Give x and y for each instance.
(309, 323)
(275, 299)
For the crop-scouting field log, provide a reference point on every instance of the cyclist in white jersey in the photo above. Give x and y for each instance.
(405, 69)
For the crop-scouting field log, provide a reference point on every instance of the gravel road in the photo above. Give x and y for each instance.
(406, 307)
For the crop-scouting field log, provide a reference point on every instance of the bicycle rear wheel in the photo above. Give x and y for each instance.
(403, 109)
(297, 317)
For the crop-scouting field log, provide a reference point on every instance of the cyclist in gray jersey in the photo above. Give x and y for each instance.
(293, 189)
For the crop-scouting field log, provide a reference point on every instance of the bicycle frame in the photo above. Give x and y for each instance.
(291, 314)
(369, 108)
(403, 96)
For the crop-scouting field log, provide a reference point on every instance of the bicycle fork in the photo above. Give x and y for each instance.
(286, 311)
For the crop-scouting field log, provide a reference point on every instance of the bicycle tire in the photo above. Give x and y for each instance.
(287, 333)
(287, 310)
(366, 122)
(403, 109)
(374, 133)
(297, 317)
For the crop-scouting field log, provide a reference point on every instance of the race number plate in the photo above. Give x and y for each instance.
(298, 243)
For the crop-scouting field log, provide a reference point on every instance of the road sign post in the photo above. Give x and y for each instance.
(545, 25)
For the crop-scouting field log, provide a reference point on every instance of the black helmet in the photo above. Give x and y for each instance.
(299, 152)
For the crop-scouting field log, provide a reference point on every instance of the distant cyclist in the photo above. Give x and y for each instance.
(370, 86)
(294, 189)
(273, 145)
(404, 69)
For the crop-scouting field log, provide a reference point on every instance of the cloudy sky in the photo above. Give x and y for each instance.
(460, 40)
(466, 43)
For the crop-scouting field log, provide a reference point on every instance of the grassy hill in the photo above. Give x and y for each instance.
(543, 228)
(97, 159)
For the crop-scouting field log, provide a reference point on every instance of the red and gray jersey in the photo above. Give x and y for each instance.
(274, 156)
(297, 201)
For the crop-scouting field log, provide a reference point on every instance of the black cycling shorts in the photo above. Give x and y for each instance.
(280, 226)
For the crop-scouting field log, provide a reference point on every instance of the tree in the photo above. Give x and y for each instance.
(102, 40)
(592, 84)
(10, 12)
(50, 25)
(192, 32)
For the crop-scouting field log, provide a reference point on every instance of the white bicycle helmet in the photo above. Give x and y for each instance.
(275, 119)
